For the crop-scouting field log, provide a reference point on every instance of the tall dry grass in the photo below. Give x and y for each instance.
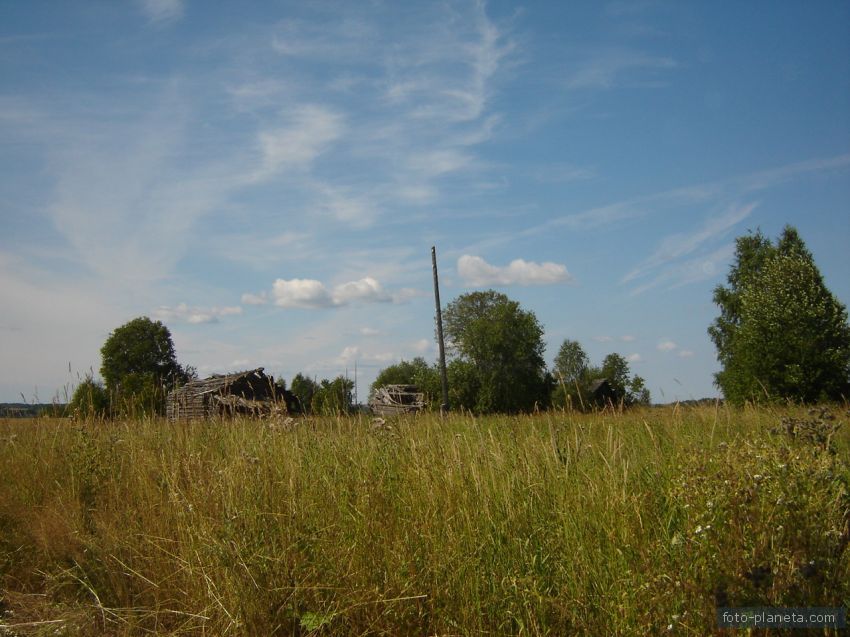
(552, 524)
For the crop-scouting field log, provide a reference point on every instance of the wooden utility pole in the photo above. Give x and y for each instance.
(443, 378)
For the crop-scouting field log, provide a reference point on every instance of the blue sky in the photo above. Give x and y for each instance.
(267, 178)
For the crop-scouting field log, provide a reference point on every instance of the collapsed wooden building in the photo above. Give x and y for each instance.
(390, 400)
(250, 392)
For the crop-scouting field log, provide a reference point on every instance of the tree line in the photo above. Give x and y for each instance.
(781, 335)
(497, 364)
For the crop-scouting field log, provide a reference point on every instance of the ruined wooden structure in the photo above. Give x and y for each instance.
(250, 393)
(390, 400)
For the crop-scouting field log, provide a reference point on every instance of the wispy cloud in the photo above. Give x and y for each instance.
(308, 132)
(195, 315)
(666, 346)
(162, 11)
(475, 271)
(607, 68)
(724, 192)
(689, 271)
(678, 245)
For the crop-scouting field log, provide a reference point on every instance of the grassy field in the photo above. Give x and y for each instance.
(604, 524)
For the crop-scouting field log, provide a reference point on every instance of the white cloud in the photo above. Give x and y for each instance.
(476, 271)
(366, 290)
(255, 299)
(690, 271)
(195, 315)
(301, 293)
(369, 331)
(685, 353)
(348, 355)
(423, 345)
(634, 358)
(310, 293)
(603, 339)
(678, 245)
(162, 11)
(666, 346)
(628, 338)
(310, 131)
(439, 162)
(352, 354)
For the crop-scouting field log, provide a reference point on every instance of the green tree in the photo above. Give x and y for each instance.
(781, 333)
(403, 373)
(303, 388)
(334, 397)
(571, 368)
(615, 369)
(638, 393)
(90, 399)
(571, 362)
(139, 366)
(504, 344)
(627, 389)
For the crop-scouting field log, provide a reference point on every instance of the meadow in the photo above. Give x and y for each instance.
(614, 523)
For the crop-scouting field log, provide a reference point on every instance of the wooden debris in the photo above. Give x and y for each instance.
(390, 400)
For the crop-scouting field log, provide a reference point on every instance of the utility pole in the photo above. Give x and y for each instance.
(443, 378)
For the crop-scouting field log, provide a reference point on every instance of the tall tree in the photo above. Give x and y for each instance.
(303, 388)
(571, 362)
(333, 397)
(781, 333)
(504, 345)
(139, 364)
(615, 369)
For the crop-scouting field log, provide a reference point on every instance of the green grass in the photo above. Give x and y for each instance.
(551, 524)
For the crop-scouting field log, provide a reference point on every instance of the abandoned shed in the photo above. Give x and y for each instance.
(601, 392)
(250, 392)
(390, 400)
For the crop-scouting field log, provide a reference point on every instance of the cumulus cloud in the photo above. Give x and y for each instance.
(634, 358)
(422, 345)
(666, 346)
(366, 290)
(685, 353)
(311, 294)
(301, 293)
(476, 271)
(195, 315)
